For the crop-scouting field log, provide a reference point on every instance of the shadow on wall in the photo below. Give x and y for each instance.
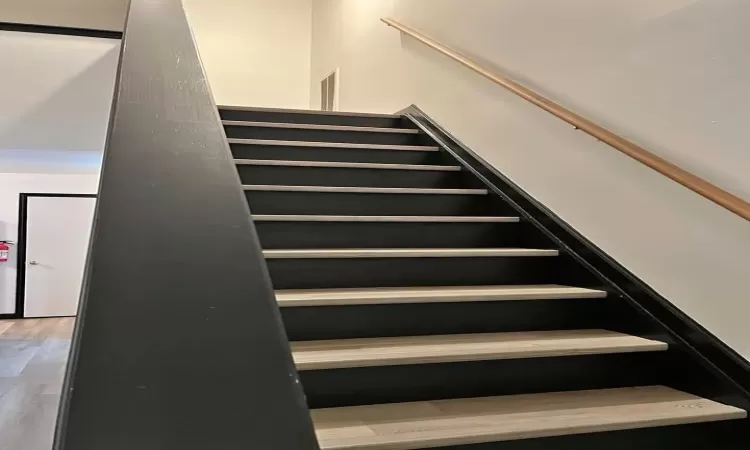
(73, 116)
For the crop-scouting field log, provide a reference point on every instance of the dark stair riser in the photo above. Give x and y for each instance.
(301, 235)
(450, 271)
(694, 375)
(318, 119)
(296, 134)
(420, 382)
(357, 177)
(339, 154)
(378, 204)
(312, 323)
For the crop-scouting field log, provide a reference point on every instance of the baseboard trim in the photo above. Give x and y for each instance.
(718, 357)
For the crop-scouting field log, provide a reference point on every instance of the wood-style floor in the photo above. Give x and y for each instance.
(33, 356)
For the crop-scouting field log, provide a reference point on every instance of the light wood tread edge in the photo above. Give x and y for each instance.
(368, 352)
(407, 253)
(436, 294)
(312, 126)
(417, 219)
(307, 111)
(417, 425)
(362, 190)
(344, 165)
(339, 145)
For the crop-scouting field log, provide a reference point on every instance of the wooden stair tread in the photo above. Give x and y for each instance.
(316, 112)
(345, 165)
(341, 145)
(405, 426)
(338, 218)
(355, 296)
(406, 253)
(311, 126)
(362, 190)
(367, 352)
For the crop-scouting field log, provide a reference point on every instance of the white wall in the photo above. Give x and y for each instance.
(669, 75)
(55, 91)
(255, 52)
(56, 94)
(92, 14)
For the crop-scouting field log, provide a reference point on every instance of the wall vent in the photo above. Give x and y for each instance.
(329, 92)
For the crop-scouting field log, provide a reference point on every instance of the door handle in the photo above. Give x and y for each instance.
(33, 263)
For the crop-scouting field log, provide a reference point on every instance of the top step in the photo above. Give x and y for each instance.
(311, 116)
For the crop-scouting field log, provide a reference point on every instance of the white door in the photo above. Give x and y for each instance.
(57, 240)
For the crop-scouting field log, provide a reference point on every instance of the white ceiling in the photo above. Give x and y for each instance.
(92, 14)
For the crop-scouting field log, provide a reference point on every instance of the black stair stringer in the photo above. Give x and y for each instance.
(711, 368)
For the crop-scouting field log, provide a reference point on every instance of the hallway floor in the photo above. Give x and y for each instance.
(33, 356)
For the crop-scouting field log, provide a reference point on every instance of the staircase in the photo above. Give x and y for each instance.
(424, 311)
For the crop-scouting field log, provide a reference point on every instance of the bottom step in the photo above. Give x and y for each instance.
(416, 425)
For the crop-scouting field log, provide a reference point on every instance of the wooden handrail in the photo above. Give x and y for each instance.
(664, 167)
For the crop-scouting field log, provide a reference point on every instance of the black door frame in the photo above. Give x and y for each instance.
(23, 201)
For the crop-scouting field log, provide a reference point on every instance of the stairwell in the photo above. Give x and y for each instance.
(363, 281)
(424, 310)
